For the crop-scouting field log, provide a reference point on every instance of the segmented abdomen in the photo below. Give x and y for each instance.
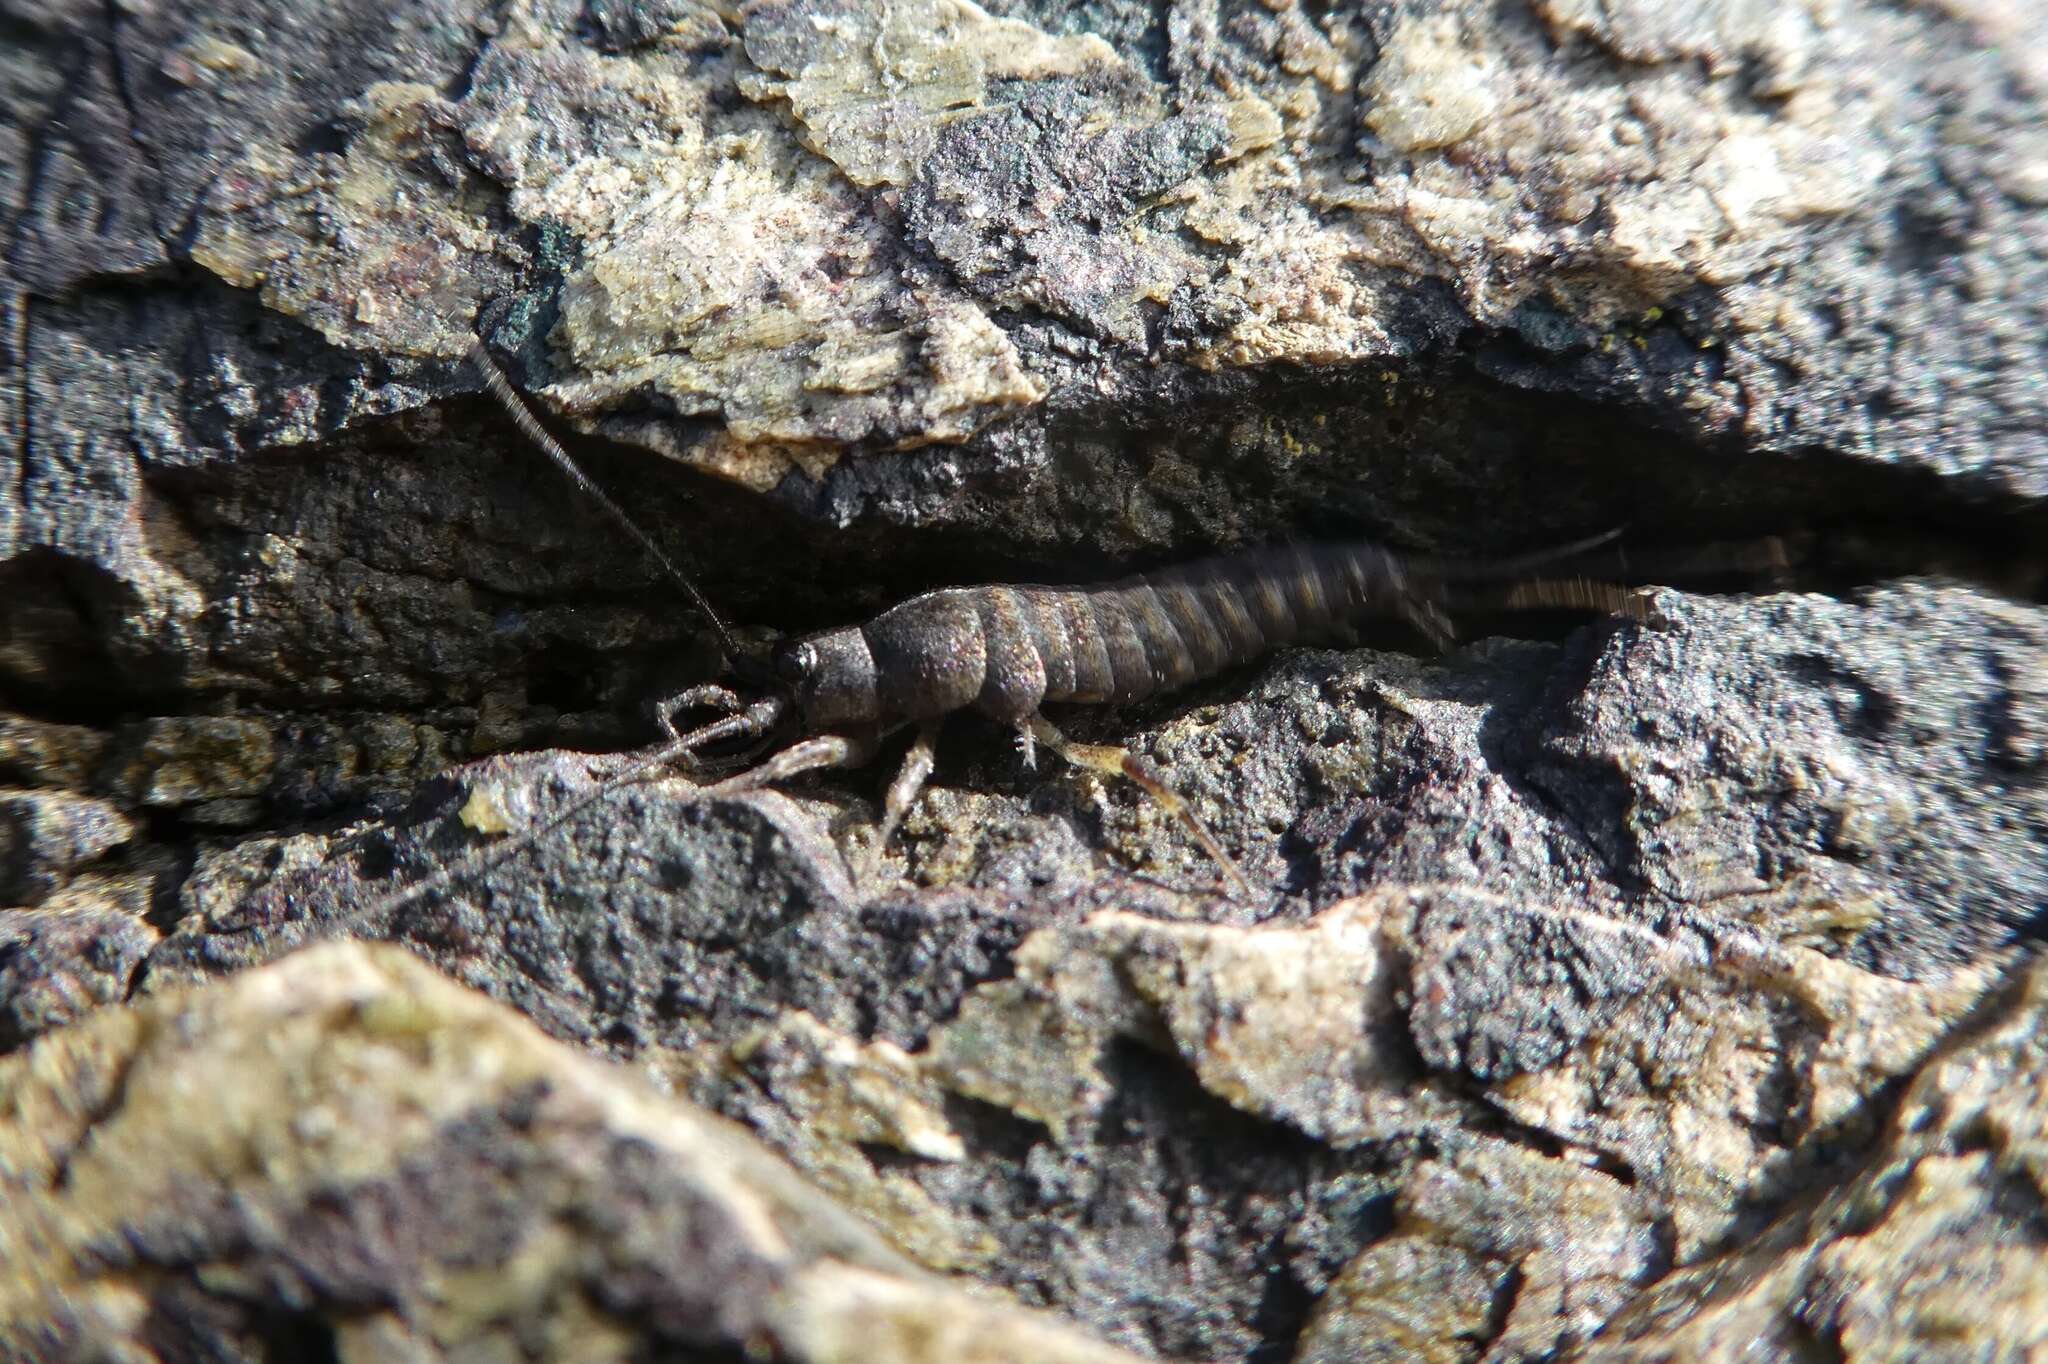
(1127, 640)
(1005, 650)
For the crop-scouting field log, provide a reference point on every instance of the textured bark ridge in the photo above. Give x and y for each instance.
(1629, 989)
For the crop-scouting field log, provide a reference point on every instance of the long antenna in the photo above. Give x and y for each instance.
(501, 389)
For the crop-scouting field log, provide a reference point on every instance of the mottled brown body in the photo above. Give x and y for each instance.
(1006, 651)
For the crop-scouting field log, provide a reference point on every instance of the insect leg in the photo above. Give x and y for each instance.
(741, 721)
(1122, 762)
(806, 755)
(755, 719)
(910, 779)
(709, 696)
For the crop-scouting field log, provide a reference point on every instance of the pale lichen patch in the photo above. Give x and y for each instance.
(1527, 178)
(1318, 1054)
(854, 1091)
(373, 246)
(827, 1099)
(870, 85)
(1434, 86)
(725, 271)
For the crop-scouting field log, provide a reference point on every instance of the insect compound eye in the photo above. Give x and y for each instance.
(796, 663)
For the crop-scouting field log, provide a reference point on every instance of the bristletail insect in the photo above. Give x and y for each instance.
(1007, 651)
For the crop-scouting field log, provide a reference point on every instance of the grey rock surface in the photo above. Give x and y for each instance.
(1921, 1255)
(346, 1154)
(1029, 1033)
(1601, 983)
